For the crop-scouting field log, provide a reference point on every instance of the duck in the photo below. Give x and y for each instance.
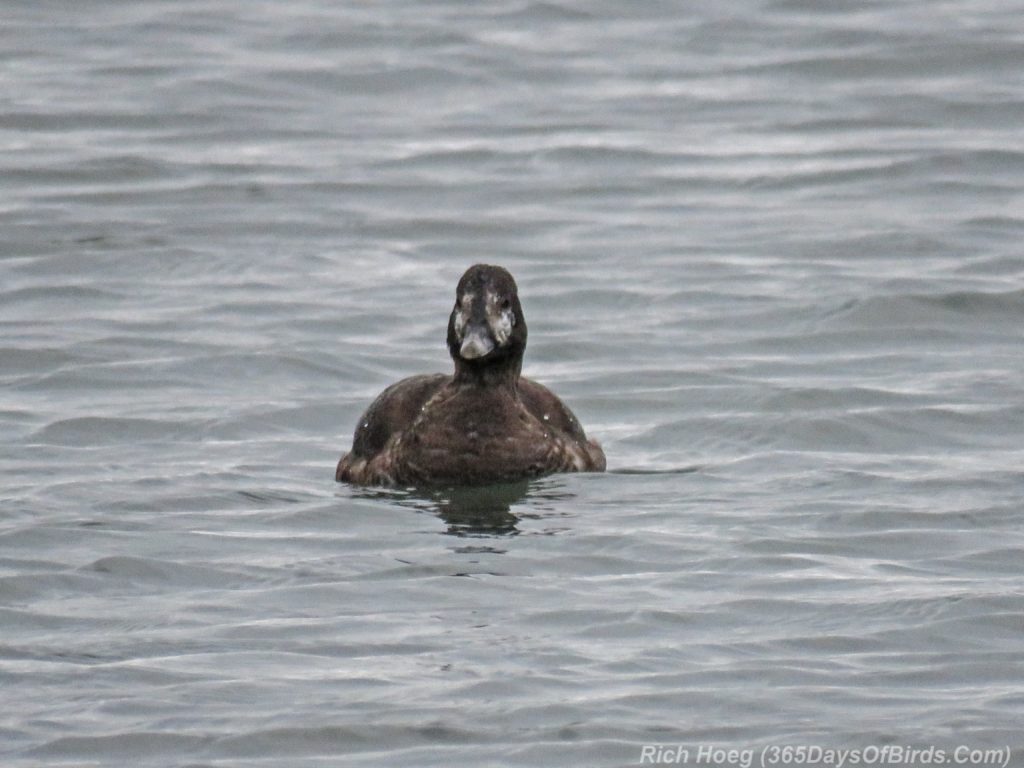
(485, 423)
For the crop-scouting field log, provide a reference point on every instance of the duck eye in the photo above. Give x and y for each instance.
(506, 303)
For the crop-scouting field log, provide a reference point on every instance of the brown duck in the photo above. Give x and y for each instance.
(486, 423)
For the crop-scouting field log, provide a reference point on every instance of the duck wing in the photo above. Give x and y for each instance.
(394, 410)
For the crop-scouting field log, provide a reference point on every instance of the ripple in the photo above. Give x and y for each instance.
(97, 430)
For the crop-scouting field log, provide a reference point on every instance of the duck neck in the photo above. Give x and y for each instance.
(499, 374)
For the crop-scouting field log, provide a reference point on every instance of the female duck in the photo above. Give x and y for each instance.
(486, 424)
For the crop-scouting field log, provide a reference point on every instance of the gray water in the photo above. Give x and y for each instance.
(769, 252)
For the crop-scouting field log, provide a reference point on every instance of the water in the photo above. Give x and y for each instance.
(769, 252)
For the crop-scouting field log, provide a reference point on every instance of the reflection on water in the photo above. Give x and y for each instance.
(480, 511)
(485, 510)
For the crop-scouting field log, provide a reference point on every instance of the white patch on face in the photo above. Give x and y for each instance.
(500, 319)
(461, 314)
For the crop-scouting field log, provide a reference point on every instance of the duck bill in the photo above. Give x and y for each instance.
(476, 343)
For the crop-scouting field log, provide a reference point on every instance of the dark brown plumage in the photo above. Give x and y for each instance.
(486, 423)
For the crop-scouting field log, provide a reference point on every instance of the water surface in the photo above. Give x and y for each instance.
(769, 253)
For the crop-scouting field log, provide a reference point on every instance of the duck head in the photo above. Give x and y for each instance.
(487, 330)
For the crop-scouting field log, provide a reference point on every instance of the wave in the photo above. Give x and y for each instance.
(1000, 311)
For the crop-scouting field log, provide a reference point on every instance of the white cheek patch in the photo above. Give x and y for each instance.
(500, 320)
(502, 329)
(462, 311)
